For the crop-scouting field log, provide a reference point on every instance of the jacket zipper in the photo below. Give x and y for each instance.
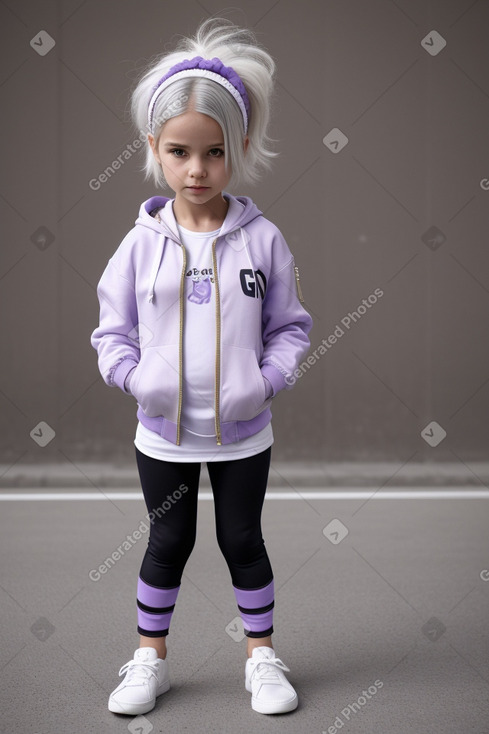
(218, 348)
(297, 280)
(180, 346)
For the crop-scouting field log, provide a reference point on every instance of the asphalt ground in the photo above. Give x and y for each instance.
(382, 609)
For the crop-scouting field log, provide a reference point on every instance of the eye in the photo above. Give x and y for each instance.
(177, 152)
(216, 152)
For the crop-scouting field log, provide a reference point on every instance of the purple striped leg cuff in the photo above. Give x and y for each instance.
(256, 609)
(155, 608)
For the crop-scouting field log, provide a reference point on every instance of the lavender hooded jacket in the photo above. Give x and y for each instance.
(261, 325)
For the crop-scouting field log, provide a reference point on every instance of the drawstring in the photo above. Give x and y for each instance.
(154, 271)
(157, 262)
(245, 245)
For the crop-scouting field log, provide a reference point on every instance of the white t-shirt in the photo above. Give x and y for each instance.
(197, 434)
(199, 334)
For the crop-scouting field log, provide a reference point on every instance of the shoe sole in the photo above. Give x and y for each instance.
(273, 708)
(137, 709)
(263, 708)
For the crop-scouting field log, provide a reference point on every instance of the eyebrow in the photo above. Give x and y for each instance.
(180, 145)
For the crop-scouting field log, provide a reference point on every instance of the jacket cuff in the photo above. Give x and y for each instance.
(274, 376)
(121, 372)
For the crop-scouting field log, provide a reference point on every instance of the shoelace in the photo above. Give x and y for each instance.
(265, 669)
(139, 672)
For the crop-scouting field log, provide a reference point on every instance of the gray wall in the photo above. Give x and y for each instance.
(403, 207)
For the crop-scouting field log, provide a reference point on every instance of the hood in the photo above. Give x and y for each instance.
(241, 211)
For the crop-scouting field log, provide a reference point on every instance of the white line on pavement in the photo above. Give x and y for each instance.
(306, 494)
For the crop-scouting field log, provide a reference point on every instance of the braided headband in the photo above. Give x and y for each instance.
(209, 69)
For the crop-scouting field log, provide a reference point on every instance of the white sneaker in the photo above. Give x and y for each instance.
(146, 678)
(271, 692)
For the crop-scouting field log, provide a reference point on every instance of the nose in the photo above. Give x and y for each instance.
(196, 168)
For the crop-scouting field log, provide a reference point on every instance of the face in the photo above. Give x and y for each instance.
(190, 151)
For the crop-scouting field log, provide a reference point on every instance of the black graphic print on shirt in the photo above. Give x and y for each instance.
(253, 283)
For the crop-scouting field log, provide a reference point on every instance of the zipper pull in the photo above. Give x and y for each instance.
(298, 283)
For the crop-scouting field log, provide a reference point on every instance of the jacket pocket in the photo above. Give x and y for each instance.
(243, 389)
(155, 382)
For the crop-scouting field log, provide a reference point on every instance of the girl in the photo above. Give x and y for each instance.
(201, 321)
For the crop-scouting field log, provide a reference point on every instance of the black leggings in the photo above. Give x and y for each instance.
(238, 488)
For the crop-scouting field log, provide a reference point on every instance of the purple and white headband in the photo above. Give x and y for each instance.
(209, 69)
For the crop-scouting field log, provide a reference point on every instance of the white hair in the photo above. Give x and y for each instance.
(235, 47)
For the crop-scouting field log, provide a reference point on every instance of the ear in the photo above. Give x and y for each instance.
(151, 141)
(246, 143)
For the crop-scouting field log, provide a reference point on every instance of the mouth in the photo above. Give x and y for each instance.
(197, 188)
